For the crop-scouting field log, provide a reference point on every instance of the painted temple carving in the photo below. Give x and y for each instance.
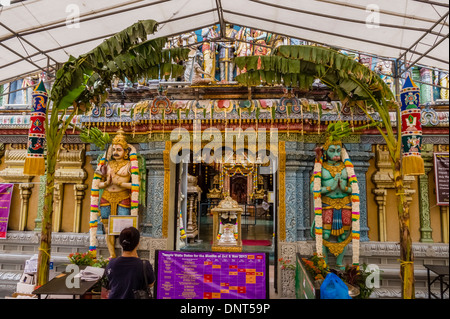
(117, 178)
(335, 190)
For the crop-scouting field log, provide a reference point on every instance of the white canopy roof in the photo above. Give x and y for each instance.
(35, 34)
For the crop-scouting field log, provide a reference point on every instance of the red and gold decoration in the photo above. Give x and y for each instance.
(35, 162)
(411, 131)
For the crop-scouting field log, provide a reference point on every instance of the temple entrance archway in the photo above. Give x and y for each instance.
(200, 186)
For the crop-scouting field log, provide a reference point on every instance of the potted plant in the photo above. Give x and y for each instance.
(356, 280)
(317, 267)
(104, 283)
(81, 259)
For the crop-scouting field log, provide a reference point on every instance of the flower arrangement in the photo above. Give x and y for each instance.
(286, 264)
(357, 277)
(316, 266)
(100, 262)
(81, 259)
(86, 259)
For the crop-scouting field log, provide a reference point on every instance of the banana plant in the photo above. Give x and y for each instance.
(82, 82)
(95, 136)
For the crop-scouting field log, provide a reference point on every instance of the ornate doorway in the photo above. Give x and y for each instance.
(239, 188)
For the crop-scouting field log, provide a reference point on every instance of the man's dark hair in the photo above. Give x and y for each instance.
(129, 238)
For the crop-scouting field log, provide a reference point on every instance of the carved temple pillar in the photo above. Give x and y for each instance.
(304, 207)
(15, 155)
(299, 164)
(444, 223)
(25, 193)
(424, 200)
(152, 221)
(58, 198)
(380, 199)
(69, 170)
(291, 200)
(79, 192)
(193, 193)
(383, 180)
(360, 155)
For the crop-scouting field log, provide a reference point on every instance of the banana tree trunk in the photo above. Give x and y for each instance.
(55, 128)
(46, 232)
(406, 253)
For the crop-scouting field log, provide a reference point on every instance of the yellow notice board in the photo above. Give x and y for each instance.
(119, 222)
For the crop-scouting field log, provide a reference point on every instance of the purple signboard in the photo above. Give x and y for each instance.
(211, 275)
(441, 175)
(5, 204)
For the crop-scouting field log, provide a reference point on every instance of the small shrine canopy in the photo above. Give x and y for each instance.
(38, 34)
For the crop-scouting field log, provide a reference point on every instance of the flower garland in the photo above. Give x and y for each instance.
(355, 197)
(236, 232)
(317, 175)
(93, 223)
(135, 183)
(355, 206)
(219, 235)
(182, 231)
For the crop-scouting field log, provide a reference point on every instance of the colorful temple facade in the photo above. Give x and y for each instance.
(275, 197)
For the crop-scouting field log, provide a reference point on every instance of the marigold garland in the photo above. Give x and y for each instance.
(135, 184)
(355, 205)
(93, 223)
(317, 175)
(355, 197)
(182, 231)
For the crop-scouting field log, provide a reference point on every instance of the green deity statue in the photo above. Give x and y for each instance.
(336, 201)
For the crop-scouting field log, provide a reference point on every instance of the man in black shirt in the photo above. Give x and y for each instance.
(126, 273)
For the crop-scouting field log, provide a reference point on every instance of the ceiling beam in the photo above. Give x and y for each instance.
(391, 13)
(425, 53)
(347, 49)
(26, 41)
(323, 32)
(424, 35)
(334, 17)
(433, 3)
(221, 20)
(88, 17)
(22, 57)
(110, 35)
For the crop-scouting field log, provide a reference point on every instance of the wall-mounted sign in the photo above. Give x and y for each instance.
(441, 174)
(119, 222)
(5, 205)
